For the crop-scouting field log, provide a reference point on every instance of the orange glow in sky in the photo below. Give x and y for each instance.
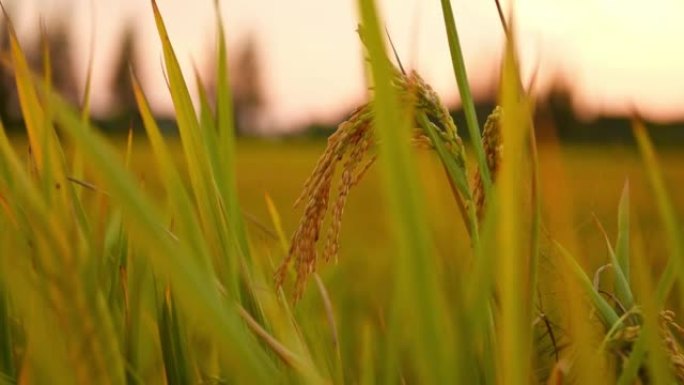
(615, 55)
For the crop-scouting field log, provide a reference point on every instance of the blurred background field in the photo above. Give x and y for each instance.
(592, 175)
(586, 178)
(592, 172)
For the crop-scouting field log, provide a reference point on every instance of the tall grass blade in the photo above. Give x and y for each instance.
(334, 333)
(203, 179)
(77, 166)
(647, 345)
(622, 245)
(513, 241)
(44, 148)
(534, 168)
(674, 268)
(226, 142)
(85, 100)
(605, 311)
(173, 344)
(417, 307)
(277, 222)
(464, 90)
(535, 230)
(653, 329)
(180, 200)
(458, 177)
(302, 364)
(207, 120)
(480, 293)
(622, 289)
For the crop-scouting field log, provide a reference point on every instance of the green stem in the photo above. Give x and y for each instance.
(466, 96)
(457, 178)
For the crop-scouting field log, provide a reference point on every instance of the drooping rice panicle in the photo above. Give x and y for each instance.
(351, 141)
(351, 146)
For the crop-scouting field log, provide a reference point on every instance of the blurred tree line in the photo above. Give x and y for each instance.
(55, 45)
(555, 114)
(555, 119)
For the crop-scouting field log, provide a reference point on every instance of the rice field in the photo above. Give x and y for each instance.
(592, 177)
(179, 260)
(589, 176)
(590, 172)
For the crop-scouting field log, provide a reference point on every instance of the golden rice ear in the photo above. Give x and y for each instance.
(672, 333)
(350, 177)
(348, 146)
(493, 146)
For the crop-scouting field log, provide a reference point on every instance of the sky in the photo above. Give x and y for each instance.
(615, 55)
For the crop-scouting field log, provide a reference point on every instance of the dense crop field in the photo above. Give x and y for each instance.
(588, 175)
(588, 179)
(412, 257)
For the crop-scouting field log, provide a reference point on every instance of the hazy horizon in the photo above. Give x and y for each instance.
(615, 56)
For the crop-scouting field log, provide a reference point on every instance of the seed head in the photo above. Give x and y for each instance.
(493, 147)
(352, 147)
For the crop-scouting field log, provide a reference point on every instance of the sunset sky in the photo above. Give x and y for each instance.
(615, 54)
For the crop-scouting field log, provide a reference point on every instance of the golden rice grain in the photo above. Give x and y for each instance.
(493, 147)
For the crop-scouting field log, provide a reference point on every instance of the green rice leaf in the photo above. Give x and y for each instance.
(458, 177)
(44, 147)
(202, 178)
(622, 244)
(647, 346)
(607, 314)
(180, 199)
(418, 304)
(277, 222)
(207, 121)
(513, 235)
(659, 360)
(464, 90)
(173, 344)
(622, 289)
(226, 143)
(674, 268)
